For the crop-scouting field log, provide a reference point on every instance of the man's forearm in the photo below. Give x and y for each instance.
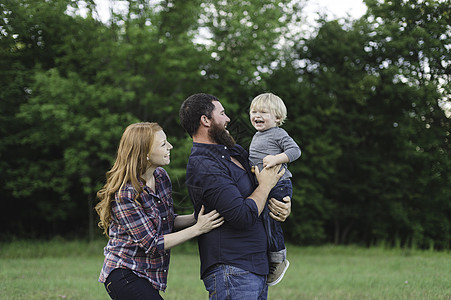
(260, 195)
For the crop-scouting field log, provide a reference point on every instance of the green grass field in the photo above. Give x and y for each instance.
(69, 270)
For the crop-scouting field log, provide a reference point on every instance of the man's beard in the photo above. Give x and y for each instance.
(220, 135)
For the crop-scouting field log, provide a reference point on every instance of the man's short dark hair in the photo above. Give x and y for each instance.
(194, 107)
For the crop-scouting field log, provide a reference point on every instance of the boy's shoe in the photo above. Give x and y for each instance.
(276, 272)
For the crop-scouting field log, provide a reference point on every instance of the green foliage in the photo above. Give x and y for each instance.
(375, 100)
(244, 43)
(365, 102)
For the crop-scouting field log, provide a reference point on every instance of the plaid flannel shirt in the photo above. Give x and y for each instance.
(137, 231)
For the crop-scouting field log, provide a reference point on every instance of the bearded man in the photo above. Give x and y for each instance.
(234, 259)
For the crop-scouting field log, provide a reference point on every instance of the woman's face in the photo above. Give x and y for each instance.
(161, 150)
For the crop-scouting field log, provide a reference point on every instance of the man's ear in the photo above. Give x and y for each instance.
(204, 120)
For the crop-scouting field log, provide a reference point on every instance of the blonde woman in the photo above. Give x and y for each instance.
(136, 213)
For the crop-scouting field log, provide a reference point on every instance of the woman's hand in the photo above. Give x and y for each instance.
(207, 222)
(279, 210)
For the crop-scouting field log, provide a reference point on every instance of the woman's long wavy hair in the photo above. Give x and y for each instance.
(131, 162)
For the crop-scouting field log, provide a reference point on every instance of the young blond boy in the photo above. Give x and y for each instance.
(271, 145)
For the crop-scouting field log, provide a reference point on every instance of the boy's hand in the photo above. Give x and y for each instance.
(269, 161)
(272, 160)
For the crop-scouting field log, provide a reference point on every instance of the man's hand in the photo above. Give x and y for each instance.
(268, 177)
(278, 210)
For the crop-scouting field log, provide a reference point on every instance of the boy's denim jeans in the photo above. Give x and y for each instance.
(229, 282)
(274, 232)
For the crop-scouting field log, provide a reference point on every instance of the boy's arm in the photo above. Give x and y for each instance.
(272, 160)
(290, 150)
(288, 146)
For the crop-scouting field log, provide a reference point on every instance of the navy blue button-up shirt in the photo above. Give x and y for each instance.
(216, 182)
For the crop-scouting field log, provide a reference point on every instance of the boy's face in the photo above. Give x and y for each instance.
(262, 118)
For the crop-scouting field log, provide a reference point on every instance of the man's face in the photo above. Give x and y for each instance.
(218, 132)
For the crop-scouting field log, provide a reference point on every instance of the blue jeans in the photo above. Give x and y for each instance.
(124, 284)
(229, 282)
(274, 232)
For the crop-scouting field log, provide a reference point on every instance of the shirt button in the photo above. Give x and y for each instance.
(164, 219)
(159, 201)
(164, 271)
(225, 147)
(222, 156)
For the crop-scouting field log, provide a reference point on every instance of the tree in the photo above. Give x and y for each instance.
(365, 102)
(411, 49)
(369, 90)
(244, 44)
(63, 124)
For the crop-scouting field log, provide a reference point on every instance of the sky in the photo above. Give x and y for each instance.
(337, 8)
(334, 8)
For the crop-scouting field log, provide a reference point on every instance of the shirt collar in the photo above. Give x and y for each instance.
(157, 174)
(222, 152)
(218, 150)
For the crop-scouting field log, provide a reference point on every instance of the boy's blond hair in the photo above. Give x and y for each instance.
(273, 103)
